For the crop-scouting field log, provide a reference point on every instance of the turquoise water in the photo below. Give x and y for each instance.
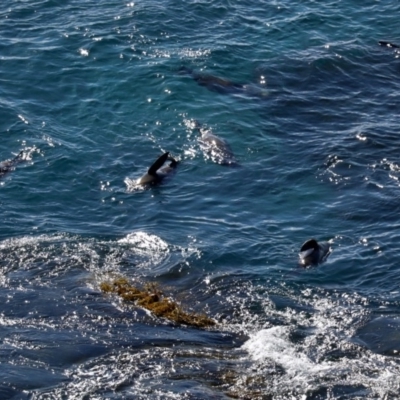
(93, 92)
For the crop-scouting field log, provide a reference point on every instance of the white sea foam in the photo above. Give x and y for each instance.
(145, 242)
(326, 355)
(132, 185)
(274, 344)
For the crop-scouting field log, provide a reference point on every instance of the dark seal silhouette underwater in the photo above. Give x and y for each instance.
(388, 44)
(223, 85)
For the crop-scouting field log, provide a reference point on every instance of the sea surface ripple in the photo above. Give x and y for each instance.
(93, 92)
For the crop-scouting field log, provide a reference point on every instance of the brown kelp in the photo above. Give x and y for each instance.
(152, 298)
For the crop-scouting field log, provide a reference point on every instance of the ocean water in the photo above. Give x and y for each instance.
(93, 92)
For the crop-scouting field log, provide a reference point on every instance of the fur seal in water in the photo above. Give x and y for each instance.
(223, 85)
(218, 149)
(388, 44)
(155, 174)
(314, 253)
(8, 165)
(213, 83)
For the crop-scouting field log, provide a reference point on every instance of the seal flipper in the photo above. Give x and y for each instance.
(310, 247)
(310, 244)
(314, 253)
(173, 162)
(158, 164)
(19, 156)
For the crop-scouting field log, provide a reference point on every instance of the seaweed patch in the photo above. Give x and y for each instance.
(151, 298)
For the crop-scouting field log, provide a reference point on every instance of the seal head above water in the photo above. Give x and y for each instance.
(156, 173)
(314, 253)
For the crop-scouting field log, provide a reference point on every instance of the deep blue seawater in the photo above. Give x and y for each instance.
(92, 92)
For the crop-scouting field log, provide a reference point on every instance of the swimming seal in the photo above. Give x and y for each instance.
(155, 174)
(388, 44)
(8, 165)
(223, 85)
(213, 83)
(314, 253)
(218, 149)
